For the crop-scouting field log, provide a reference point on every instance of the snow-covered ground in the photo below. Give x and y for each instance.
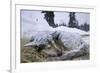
(31, 33)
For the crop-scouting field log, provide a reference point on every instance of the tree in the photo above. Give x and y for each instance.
(84, 27)
(72, 20)
(49, 16)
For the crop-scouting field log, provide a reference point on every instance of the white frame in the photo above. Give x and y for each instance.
(15, 39)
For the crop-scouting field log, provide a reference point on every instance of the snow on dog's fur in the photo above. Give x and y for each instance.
(62, 41)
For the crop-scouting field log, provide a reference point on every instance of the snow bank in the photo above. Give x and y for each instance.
(29, 34)
(67, 29)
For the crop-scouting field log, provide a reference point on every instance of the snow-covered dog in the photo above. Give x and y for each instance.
(68, 44)
(71, 45)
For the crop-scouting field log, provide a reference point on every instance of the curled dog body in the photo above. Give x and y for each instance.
(67, 45)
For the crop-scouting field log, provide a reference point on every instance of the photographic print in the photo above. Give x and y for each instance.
(47, 36)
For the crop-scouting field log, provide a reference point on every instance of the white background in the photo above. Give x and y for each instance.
(5, 36)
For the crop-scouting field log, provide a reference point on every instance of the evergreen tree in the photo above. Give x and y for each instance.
(49, 16)
(84, 27)
(72, 20)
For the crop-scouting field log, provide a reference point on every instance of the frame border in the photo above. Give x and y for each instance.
(11, 64)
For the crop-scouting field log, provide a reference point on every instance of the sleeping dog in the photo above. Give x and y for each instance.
(67, 45)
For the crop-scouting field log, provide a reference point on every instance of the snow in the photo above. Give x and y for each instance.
(67, 38)
(67, 29)
(40, 38)
(35, 27)
(70, 40)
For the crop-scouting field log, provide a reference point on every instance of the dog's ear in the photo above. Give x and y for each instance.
(56, 35)
(32, 39)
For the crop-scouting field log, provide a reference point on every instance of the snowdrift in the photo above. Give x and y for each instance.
(31, 33)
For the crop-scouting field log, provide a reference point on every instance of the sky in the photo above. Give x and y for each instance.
(34, 20)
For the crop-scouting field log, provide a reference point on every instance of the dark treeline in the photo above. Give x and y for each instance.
(84, 27)
(73, 22)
